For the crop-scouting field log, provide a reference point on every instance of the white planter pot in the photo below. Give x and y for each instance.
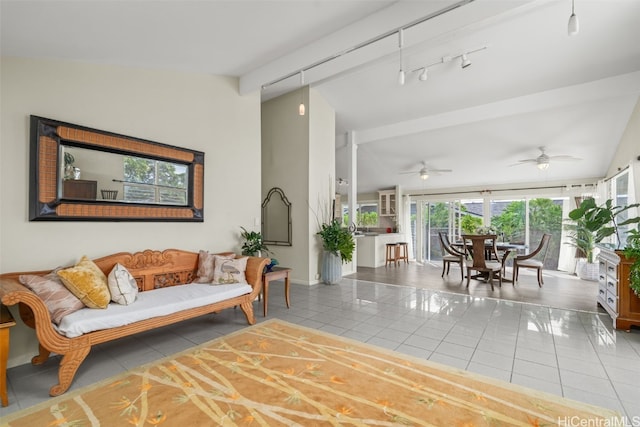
(331, 271)
(587, 270)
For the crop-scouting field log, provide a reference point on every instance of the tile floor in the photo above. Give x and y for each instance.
(574, 354)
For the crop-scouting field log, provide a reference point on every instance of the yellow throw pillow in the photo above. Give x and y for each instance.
(87, 282)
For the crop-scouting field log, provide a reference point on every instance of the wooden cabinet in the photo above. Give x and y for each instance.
(387, 203)
(614, 293)
(79, 189)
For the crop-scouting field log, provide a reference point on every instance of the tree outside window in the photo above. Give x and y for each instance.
(154, 181)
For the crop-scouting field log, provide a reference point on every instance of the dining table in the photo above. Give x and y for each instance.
(500, 246)
(505, 248)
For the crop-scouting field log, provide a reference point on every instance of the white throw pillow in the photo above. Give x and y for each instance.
(122, 285)
(228, 270)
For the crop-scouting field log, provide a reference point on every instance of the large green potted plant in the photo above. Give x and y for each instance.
(632, 251)
(591, 225)
(338, 245)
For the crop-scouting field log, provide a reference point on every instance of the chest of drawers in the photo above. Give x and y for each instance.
(614, 293)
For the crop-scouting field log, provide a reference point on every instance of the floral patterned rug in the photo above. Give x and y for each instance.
(280, 374)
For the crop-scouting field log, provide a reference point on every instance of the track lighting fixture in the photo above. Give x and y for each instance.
(301, 107)
(401, 74)
(400, 44)
(464, 61)
(574, 25)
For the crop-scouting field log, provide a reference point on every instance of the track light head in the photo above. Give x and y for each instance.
(423, 76)
(464, 61)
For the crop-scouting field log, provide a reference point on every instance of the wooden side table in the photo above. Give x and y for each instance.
(6, 321)
(275, 274)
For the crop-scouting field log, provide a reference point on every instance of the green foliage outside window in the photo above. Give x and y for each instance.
(366, 219)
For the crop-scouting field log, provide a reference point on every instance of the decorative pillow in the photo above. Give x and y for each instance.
(58, 299)
(87, 282)
(122, 285)
(229, 269)
(205, 267)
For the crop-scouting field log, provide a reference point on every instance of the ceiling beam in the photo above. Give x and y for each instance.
(625, 84)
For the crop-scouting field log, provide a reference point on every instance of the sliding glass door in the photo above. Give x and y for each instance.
(521, 221)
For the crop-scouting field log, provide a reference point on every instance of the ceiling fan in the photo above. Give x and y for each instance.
(543, 160)
(425, 172)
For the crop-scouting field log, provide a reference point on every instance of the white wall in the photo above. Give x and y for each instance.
(285, 164)
(196, 111)
(299, 157)
(322, 175)
(628, 150)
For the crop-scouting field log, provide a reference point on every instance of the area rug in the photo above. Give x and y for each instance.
(280, 374)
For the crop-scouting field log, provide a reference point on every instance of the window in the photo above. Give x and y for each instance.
(620, 196)
(154, 181)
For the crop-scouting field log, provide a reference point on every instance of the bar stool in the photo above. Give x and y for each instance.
(402, 252)
(392, 253)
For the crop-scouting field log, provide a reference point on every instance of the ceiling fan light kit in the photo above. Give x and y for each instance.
(424, 173)
(543, 161)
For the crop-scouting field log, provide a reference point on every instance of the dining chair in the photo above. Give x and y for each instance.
(527, 261)
(477, 245)
(450, 255)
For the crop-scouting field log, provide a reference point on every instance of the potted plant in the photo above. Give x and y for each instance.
(253, 244)
(68, 165)
(591, 225)
(632, 251)
(338, 245)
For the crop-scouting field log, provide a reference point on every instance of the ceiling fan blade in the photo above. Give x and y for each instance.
(520, 162)
(408, 172)
(439, 170)
(563, 158)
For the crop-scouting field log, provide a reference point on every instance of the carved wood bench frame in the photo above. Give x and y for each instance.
(151, 269)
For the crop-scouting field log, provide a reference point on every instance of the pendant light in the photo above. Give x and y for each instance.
(301, 107)
(574, 25)
(400, 44)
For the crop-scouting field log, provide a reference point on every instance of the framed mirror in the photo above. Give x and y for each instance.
(79, 173)
(276, 218)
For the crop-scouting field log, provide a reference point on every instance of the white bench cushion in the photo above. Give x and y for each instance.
(157, 302)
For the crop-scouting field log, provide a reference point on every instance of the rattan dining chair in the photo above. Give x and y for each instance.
(527, 261)
(450, 255)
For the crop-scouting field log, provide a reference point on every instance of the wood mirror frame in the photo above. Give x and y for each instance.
(46, 201)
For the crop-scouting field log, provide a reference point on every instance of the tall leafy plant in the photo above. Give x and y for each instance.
(632, 251)
(337, 240)
(593, 224)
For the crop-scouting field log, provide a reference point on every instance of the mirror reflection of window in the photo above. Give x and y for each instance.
(116, 177)
(154, 181)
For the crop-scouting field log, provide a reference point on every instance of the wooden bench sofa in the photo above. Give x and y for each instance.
(151, 270)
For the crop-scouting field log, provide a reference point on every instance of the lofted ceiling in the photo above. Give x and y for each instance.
(533, 85)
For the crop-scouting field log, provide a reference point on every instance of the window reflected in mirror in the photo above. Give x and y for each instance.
(99, 175)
